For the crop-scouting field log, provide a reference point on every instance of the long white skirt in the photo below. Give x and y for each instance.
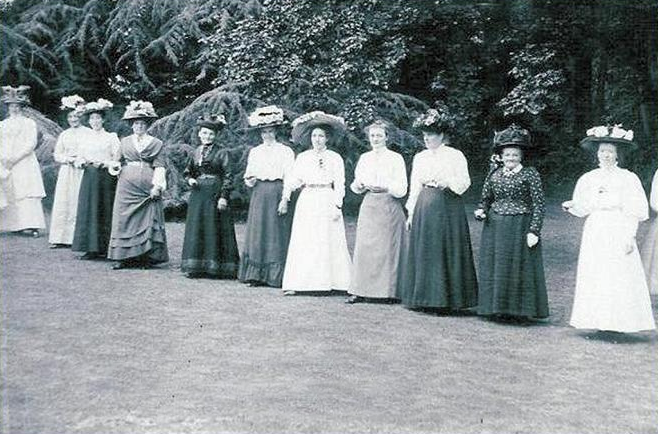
(318, 259)
(22, 214)
(611, 290)
(65, 205)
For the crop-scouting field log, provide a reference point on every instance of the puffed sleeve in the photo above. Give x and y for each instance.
(358, 171)
(250, 170)
(653, 201)
(59, 154)
(460, 180)
(397, 185)
(338, 170)
(487, 196)
(227, 176)
(533, 181)
(293, 180)
(582, 197)
(635, 206)
(415, 184)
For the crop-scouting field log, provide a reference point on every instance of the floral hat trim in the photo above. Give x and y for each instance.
(436, 119)
(72, 102)
(268, 116)
(99, 105)
(15, 95)
(318, 115)
(608, 134)
(213, 122)
(139, 109)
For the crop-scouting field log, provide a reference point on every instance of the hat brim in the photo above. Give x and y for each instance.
(15, 101)
(260, 127)
(522, 145)
(592, 143)
(137, 117)
(301, 133)
(215, 126)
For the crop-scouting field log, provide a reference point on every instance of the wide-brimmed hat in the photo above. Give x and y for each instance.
(263, 117)
(613, 134)
(513, 135)
(437, 120)
(304, 124)
(15, 95)
(214, 122)
(74, 103)
(139, 110)
(99, 106)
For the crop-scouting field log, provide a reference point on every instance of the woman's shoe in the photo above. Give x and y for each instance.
(289, 292)
(354, 299)
(121, 265)
(89, 256)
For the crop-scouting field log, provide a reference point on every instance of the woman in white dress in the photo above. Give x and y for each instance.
(650, 244)
(380, 230)
(21, 184)
(611, 290)
(69, 177)
(318, 259)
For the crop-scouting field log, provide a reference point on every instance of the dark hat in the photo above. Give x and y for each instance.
(263, 117)
(613, 134)
(437, 120)
(513, 135)
(139, 110)
(212, 122)
(15, 95)
(304, 124)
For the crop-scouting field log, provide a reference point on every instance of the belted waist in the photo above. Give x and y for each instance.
(139, 164)
(432, 186)
(330, 185)
(207, 176)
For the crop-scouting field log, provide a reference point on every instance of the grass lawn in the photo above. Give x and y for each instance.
(90, 350)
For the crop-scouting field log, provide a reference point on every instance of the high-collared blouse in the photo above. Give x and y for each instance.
(444, 165)
(101, 146)
(211, 160)
(611, 189)
(381, 168)
(514, 192)
(268, 162)
(69, 143)
(317, 168)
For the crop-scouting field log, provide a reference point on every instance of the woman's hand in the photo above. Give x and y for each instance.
(113, 168)
(629, 246)
(532, 239)
(155, 192)
(250, 181)
(480, 214)
(283, 207)
(567, 205)
(79, 162)
(338, 213)
(222, 204)
(408, 224)
(376, 189)
(192, 182)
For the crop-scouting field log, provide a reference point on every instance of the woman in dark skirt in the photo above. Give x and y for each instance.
(99, 155)
(209, 247)
(511, 271)
(439, 270)
(138, 237)
(268, 232)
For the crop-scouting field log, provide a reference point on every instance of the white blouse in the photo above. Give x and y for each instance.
(268, 163)
(18, 138)
(101, 147)
(381, 168)
(611, 189)
(69, 143)
(317, 168)
(444, 165)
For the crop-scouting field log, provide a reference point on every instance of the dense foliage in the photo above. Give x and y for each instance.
(557, 67)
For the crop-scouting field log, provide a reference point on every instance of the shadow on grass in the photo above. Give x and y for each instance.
(617, 337)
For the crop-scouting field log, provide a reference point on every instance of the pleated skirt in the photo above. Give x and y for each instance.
(93, 224)
(267, 236)
(511, 274)
(210, 246)
(379, 247)
(439, 271)
(138, 223)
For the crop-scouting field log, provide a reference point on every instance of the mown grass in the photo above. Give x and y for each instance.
(90, 350)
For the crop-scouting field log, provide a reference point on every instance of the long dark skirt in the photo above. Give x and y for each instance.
(511, 273)
(267, 237)
(93, 223)
(138, 224)
(439, 270)
(209, 247)
(379, 247)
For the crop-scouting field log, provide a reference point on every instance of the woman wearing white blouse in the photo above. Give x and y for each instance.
(98, 154)
(318, 259)
(611, 290)
(382, 176)
(69, 177)
(439, 271)
(267, 233)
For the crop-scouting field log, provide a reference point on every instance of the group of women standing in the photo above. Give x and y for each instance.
(297, 241)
